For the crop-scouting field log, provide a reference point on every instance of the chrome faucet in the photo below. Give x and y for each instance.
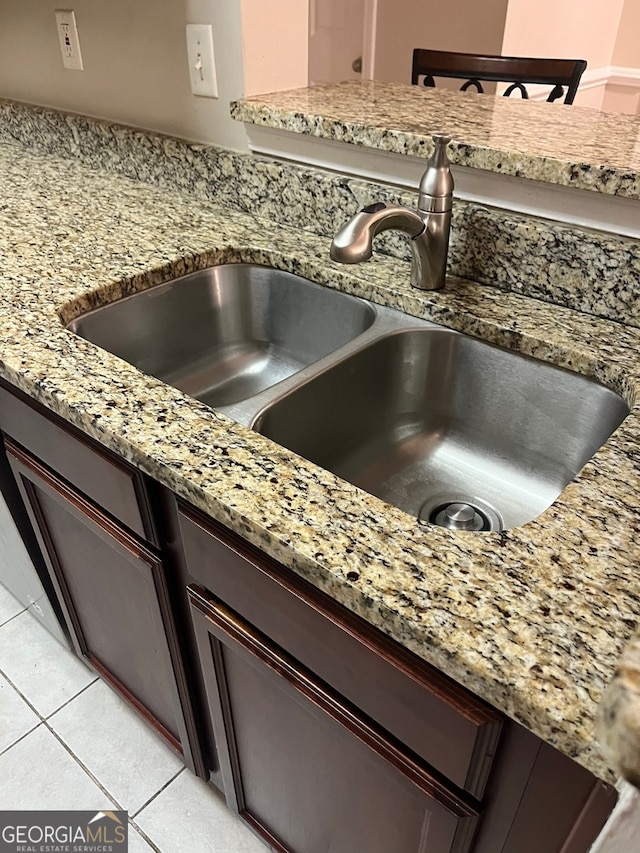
(428, 227)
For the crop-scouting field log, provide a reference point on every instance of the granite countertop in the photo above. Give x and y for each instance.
(593, 150)
(532, 619)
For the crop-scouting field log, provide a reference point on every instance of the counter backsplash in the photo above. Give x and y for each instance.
(582, 269)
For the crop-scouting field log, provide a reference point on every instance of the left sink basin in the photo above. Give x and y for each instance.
(226, 333)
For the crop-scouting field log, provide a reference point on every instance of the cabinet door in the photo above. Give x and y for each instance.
(303, 768)
(111, 589)
(449, 728)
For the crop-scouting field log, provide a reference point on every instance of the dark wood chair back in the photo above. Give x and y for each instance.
(518, 70)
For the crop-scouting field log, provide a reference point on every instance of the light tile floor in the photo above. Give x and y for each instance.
(67, 741)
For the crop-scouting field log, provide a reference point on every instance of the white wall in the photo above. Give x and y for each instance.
(134, 54)
(136, 67)
(136, 73)
(604, 32)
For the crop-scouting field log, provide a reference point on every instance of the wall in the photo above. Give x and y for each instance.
(136, 68)
(626, 50)
(604, 32)
(456, 25)
(146, 85)
(575, 29)
(623, 91)
(274, 58)
(135, 63)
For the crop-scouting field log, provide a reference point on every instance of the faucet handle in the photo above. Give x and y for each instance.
(436, 185)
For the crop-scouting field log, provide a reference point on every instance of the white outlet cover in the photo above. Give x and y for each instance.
(202, 68)
(68, 38)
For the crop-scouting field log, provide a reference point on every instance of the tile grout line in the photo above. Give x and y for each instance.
(21, 695)
(33, 708)
(15, 616)
(82, 766)
(132, 818)
(159, 791)
(107, 793)
(43, 720)
(73, 698)
(21, 738)
(135, 828)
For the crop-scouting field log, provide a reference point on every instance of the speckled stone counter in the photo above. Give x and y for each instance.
(533, 619)
(580, 268)
(591, 150)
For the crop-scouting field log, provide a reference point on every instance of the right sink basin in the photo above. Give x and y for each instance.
(446, 427)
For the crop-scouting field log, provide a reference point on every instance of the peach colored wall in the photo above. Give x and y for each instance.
(592, 96)
(621, 99)
(626, 55)
(575, 29)
(454, 25)
(275, 55)
(626, 51)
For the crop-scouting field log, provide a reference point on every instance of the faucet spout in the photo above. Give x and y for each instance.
(428, 227)
(354, 242)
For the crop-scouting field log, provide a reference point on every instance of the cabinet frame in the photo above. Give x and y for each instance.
(89, 467)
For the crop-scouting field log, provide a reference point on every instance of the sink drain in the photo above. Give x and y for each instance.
(459, 517)
(460, 513)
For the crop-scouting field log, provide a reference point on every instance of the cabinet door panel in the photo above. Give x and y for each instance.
(304, 768)
(110, 588)
(448, 727)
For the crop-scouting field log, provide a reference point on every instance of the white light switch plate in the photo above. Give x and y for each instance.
(202, 68)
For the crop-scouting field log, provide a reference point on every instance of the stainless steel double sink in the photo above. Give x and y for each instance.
(446, 427)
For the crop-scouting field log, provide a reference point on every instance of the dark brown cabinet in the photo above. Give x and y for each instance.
(445, 725)
(110, 587)
(302, 766)
(323, 733)
(107, 573)
(331, 736)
